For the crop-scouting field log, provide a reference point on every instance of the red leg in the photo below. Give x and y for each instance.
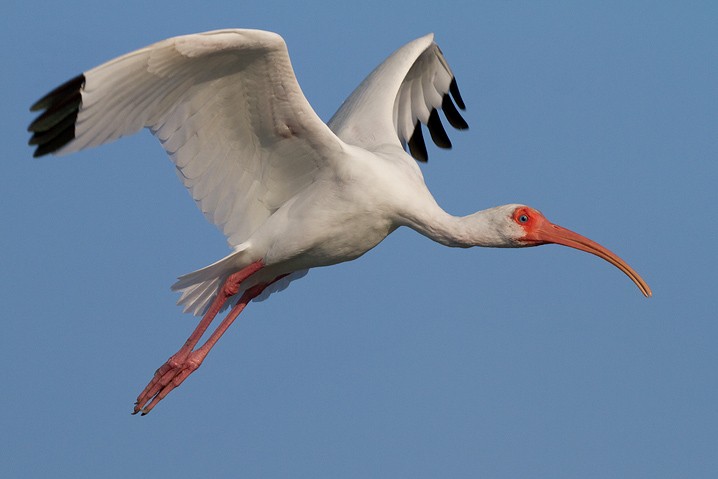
(177, 375)
(167, 372)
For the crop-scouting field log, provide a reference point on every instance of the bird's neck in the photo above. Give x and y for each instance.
(477, 229)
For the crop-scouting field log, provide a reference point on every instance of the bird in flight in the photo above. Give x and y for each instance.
(289, 191)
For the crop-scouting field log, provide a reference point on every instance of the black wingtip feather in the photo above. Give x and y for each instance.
(55, 127)
(452, 114)
(56, 112)
(417, 147)
(40, 137)
(436, 129)
(70, 86)
(61, 139)
(454, 89)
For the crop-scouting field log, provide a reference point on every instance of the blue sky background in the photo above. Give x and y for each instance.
(415, 360)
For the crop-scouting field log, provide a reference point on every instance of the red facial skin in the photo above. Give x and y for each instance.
(540, 231)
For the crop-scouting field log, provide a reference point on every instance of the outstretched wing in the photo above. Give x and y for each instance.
(226, 107)
(400, 95)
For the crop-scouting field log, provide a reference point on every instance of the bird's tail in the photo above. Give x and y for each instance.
(199, 288)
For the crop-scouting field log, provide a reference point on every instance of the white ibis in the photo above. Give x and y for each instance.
(289, 191)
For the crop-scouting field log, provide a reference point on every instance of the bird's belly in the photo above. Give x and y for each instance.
(315, 242)
(345, 245)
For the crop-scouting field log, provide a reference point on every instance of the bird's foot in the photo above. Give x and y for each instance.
(170, 375)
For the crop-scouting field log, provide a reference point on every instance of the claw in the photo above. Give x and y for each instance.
(167, 377)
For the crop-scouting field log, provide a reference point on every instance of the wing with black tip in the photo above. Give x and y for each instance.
(403, 93)
(226, 107)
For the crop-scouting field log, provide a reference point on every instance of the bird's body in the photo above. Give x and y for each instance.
(335, 221)
(290, 192)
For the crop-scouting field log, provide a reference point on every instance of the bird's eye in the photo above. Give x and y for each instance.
(523, 218)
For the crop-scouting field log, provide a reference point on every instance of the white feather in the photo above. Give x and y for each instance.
(227, 109)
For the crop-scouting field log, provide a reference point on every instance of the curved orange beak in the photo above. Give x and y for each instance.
(543, 231)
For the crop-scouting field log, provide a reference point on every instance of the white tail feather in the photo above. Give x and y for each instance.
(199, 287)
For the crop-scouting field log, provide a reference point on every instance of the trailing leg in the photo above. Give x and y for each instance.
(181, 360)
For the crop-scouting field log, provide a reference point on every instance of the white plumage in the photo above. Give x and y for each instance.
(288, 191)
(228, 110)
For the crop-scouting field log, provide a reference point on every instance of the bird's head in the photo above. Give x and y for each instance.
(528, 227)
